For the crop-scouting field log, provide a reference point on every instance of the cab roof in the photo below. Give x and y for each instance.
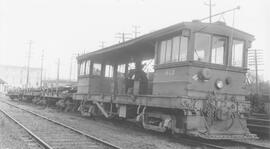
(144, 46)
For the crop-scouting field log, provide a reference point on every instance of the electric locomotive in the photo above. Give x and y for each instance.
(186, 78)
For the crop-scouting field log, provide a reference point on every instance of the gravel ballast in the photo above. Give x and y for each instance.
(118, 133)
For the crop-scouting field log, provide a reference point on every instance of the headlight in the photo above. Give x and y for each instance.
(219, 84)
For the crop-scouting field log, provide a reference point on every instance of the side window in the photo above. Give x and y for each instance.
(148, 65)
(108, 71)
(183, 48)
(237, 53)
(217, 51)
(131, 66)
(168, 51)
(87, 67)
(202, 47)
(82, 66)
(162, 52)
(97, 69)
(121, 70)
(173, 50)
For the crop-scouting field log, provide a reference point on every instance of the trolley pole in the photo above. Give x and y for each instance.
(28, 63)
(220, 13)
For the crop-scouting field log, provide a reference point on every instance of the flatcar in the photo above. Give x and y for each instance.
(187, 78)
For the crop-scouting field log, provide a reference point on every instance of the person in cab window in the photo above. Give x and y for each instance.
(139, 75)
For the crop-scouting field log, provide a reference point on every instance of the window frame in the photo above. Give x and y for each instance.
(225, 52)
(110, 71)
(93, 69)
(82, 65)
(170, 38)
(243, 52)
(210, 46)
(179, 56)
(123, 67)
(87, 67)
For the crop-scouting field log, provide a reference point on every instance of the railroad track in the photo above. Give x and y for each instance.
(259, 123)
(201, 142)
(51, 134)
(224, 144)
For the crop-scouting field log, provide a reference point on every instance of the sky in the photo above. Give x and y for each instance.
(66, 28)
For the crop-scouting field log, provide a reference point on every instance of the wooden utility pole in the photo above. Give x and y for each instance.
(41, 73)
(28, 63)
(136, 32)
(70, 68)
(57, 79)
(123, 36)
(255, 59)
(102, 44)
(256, 70)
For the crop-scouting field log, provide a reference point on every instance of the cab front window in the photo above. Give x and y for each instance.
(209, 48)
(237, 53)
(202, 47)
(217, 52)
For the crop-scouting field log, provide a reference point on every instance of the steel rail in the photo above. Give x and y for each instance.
(68, 127)
(250, 144)
(247, 144)
(203, 143)
(116, 147)
(99, 140)
(40, 141)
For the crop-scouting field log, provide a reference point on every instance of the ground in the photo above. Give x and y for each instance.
(118, 133)
(9, 138)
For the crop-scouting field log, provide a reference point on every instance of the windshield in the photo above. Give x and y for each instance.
(209, 48)
(202, 47)
(237, 53)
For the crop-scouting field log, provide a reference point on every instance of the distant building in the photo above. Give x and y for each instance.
(15, 76)
(3, 86)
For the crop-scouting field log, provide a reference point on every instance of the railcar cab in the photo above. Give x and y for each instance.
(171, 79)
(201, 58)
